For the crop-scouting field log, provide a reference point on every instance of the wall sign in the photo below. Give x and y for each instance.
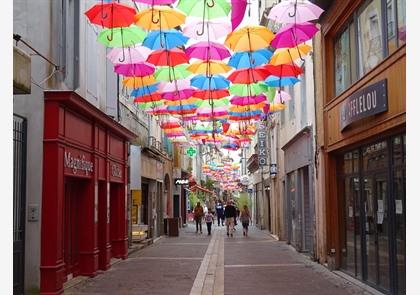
(182, 181)
(273, 169)
(116, 170)
(366, 102)
(262, 147)
(76, 163)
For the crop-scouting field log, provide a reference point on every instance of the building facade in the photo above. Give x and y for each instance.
(360, 75)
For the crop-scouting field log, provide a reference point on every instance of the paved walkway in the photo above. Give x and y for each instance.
(197, 264)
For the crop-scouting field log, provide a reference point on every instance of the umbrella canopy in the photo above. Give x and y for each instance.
(135, 82)
(121, 37)
(149, 105)
(209, 67)
(208, 9)
(172, 73)
(131, 54)
(293, 11)
(155, 2)
(177, 95)
(146, 90)
(247, 100)
(148, 98)
(111, 15)
(215, 104)
(138, 70)
(238, 12)
(211, 94)
(158, 111)
(164, 39)
(213, 29)
(191, 100)
(171, 57)
(281, 97)
(247, 89)
(208, 50)
(293, 34)
(159, 18)
(249, 38)
(248, 76)
(174, 85)
(248, 59)
(274, 81)
(283, 70)
(247, 108)
(288, 55)
(210, 83)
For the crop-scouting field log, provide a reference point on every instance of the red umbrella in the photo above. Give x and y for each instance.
(148, 98)
(211, 94)
(111, 15)
(284, 70)
(171, 57)
(249, 76)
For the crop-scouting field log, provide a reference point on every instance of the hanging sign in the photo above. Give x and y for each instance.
(182, 181)
(273, 169)
(366, 102)
(262, 147)
(191, 152)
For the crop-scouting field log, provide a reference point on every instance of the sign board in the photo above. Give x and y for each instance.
(245, 179)
(77, 163)
(262, 145)
(182, 181)
(191, 152)
(366, 102)
(273, 169)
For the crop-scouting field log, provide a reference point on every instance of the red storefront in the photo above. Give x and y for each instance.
(84, 218)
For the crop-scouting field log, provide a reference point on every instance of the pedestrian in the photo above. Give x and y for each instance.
(198, 215)
(219, 213)
(245, 218)
(209, 218)
(230, 214)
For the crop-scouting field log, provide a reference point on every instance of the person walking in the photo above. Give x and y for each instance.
(230, 214)
(219, 213)
(198, 215)
(209, 218)
(245, 218)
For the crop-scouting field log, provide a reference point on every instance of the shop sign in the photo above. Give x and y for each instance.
(191, 152)
(76, 163)
(245, 179)
(262, 147)
(366, 102)
(273, 169)
(181, 181)
(116, 170)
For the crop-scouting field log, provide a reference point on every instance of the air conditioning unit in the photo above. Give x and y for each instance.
(21, 72)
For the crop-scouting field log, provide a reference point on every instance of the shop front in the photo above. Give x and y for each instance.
(84, 221)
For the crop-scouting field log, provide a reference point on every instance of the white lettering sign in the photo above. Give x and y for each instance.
(77, 163)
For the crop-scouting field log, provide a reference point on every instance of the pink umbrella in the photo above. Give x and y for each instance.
(155, 2)
(178, 95)
(174, 85)
(281, 97)
(293, 34)
(208, 50)
(129, 55)
(247, 100)
(238, 12)
(294, 11)
(213, 29)
(137, 70)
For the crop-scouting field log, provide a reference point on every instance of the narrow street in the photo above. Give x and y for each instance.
(198, 264)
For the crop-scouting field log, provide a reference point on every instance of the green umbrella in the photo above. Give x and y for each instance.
(149, 105)
(247, 89)
(271, 93)
(172, 73)
(121, 37)
(216, 103)
(212, 8)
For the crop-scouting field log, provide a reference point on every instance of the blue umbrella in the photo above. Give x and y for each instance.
(165, 39)
(212, 83)
(184, 107)
(274, 81)
(247, 59)
(245, 114)
(145, 90)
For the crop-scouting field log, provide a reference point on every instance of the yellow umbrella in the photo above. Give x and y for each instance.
(249, 38)
(159, 18)
(210, 67)
(251, 107)
(277, 107)
(190, 100)
(136, 82)
(288, 55)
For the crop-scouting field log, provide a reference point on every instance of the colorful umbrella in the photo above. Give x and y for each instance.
(111, 15)
(145, 90)
(207, 50)
(138, 70)
(149, 105)
(180, 101)
(159, 18)
(242, 60)
(248, 76)
(211, 94)
(177, 95)
(135, 82)
(247, 100)
(172, 73)
(215, 104)
(174, 85)
(155, 2)
(281, 97)
(121, 37)
(288, 55)
(210, 83)
(208, 9)
(274, 81)
(214, 29)
(247, 89)
(164, 39)
(209, 67)
(249, 38)
(294, 11)
(284, 70)
(171, 57)
(293, 34)
(134, 54)
(148, 98)
(238, 12)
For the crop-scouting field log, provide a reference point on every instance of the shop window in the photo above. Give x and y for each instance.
(401, 21)
(375, 156)
(370, 36)
(391, 27)
(342, 62)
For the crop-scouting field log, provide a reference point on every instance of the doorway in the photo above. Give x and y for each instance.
(176, 206)
(144, 219)
(103, 225)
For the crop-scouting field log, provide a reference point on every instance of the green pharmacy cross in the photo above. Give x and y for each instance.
(191, 152)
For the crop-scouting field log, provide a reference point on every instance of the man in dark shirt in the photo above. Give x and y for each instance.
(230, 214)
(219, 212)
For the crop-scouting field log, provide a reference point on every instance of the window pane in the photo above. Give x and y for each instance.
(342, 62)
(375, 156)
(348, 161)
(391, 25)
(353, 52)
(356, 161)
(401, 21)
(370, 36)
(397, 150)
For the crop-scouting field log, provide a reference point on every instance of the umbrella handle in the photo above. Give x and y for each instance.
(112, 35)
(153, 20)
(294, 11)
(211, 5)
(123, 57)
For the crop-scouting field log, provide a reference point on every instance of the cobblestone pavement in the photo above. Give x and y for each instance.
(197, 264)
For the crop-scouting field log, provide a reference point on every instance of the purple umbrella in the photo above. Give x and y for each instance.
(208, 50)
(238, 12)
(138, 70)
(294, 11)
(213, 29)
(293, 34)
(178, 95)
